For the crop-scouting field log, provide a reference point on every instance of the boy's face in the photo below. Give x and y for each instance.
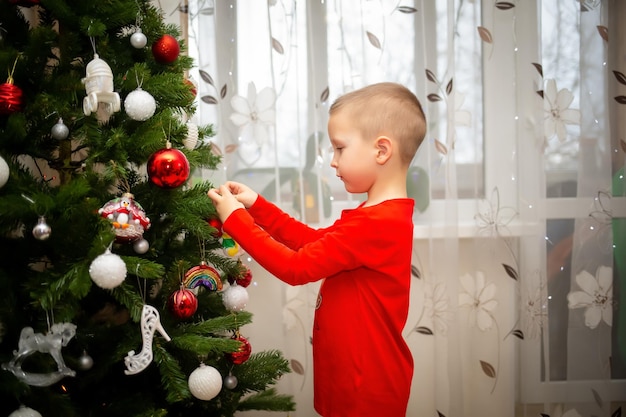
(354, 157)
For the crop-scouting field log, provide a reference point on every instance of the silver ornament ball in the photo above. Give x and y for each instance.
(42, 231)
(60, 131)
(85, 362)
(139, 105)
(141, 246)
(231, 382)
(138, 39)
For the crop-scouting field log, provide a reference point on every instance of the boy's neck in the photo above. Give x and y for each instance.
(388, 188)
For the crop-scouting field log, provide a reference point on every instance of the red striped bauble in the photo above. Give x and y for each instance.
(10, 98)
(182, 303)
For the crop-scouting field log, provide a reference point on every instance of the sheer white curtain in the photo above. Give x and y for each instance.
(518, 295)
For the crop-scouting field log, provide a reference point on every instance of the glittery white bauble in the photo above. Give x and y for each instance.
(4, 172)
(139, 105)
(24, 411)
(205, 382)
(108, 270)
(191, 141)
(235, 298)
(138, 39)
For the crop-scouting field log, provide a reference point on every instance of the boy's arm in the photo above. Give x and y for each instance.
(325, 256)
(280, 225)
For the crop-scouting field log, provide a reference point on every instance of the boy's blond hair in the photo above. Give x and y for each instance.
(388, 109)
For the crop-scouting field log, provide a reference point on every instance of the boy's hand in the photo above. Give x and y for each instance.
(225, 203)
(242, 193)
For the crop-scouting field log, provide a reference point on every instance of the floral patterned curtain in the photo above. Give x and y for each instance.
(519, 281)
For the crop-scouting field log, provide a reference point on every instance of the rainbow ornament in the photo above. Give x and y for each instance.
(204, 275)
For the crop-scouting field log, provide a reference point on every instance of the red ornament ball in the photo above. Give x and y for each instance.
(182, 303)
(168, 168)
(217, 225)
(166, 49)
(243, 353)
(10, 98)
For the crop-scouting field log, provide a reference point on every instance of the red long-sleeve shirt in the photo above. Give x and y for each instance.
(362, 364)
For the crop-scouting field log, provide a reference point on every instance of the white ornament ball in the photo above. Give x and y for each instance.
(191, 141)
(108, 270)
(140, 105)
(4, 172)
(138, 39)
(24, 411)
(141, 246)
(205, 382)
(235, 298)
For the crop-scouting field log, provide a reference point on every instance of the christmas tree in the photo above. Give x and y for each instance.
(121, 296)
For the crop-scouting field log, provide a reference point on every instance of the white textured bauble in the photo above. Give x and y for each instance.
(205, 382)
(191, 141)
(235, 298)
(139, 105)
(24, 411)
(108, 270)
(60, 131)
(4, 172)
(138, 39)
(141, 246)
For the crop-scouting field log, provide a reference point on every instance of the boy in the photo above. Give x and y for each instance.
(361, 363)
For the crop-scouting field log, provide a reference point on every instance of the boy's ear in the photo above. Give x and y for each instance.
(383, 149)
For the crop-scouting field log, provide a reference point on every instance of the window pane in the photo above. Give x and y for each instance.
(560, 33)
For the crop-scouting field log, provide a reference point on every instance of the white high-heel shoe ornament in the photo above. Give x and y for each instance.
(150, 322)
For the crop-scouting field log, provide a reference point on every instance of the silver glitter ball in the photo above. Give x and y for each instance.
(60, 131)
(42, 231)
(85, 362)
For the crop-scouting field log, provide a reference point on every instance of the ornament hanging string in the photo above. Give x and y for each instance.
(92, 40)
(168, 144)
(10, 73)
(139, 83)
(139, 18)
(202, 247)
(142, 289)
